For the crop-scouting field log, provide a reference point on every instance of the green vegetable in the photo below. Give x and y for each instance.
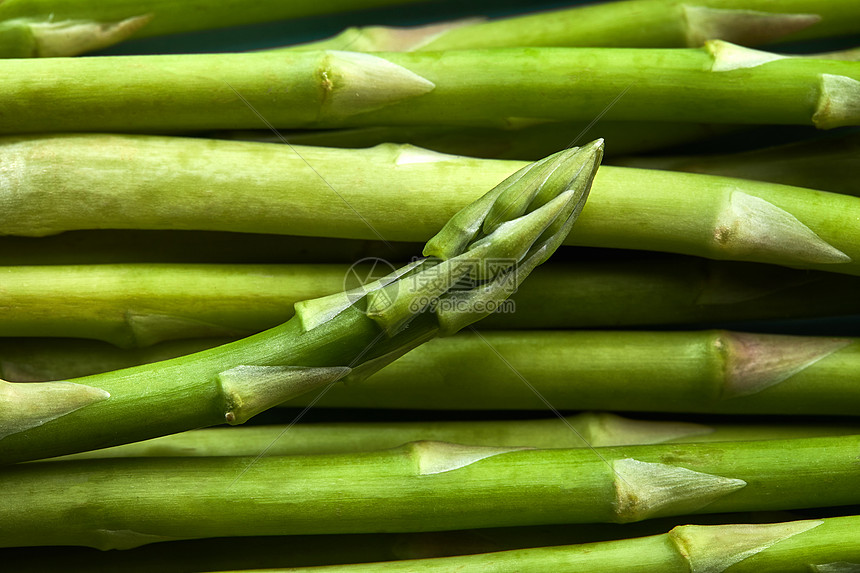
(221, 554)
(399, 193)
(494, 242)
(122, 502)
(141, 304)
(44, 28)
(816, 545)
(634, 24)
(582, 430)
(708, 371)
(483, 88)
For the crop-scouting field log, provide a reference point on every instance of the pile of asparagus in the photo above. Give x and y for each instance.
(338, 246)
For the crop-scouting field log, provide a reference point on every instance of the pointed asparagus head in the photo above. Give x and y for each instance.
(488, 248)
(533, 186)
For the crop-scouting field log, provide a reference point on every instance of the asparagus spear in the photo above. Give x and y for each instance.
(819, 545)
(708, 371)
(224, 554)
(122, 502)
(826, 163)
(400, 194)
(41, 28)
(530, 142)
(634, 23)
(139, 305)
(495, 242)
(65, 29)
(591, 430)
(489, 88)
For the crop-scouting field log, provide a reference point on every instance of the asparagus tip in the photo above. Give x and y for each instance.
(532, 186)
(494, 242)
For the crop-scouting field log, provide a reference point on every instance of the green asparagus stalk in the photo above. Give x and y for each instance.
(44, 28)
(525, 142)
(423, 486)
(334, 89)
(140, 305)
(589, 430)
(634, 24)
(819, 545)
(827, 163)
(494, 242)
(717, 372)
(64, 29)
(531, 142)
(400, 194)
(224, 554)
(706, 371)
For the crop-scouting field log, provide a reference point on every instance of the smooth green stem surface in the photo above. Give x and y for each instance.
(589, 430)
(234, 553)
(634, 23)
(142, 304)
(791, 547)
(708, 371)
(423, 486)
(33, 28)
(485, 88)
(826, 163)
(138, 305)
(399, 193)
